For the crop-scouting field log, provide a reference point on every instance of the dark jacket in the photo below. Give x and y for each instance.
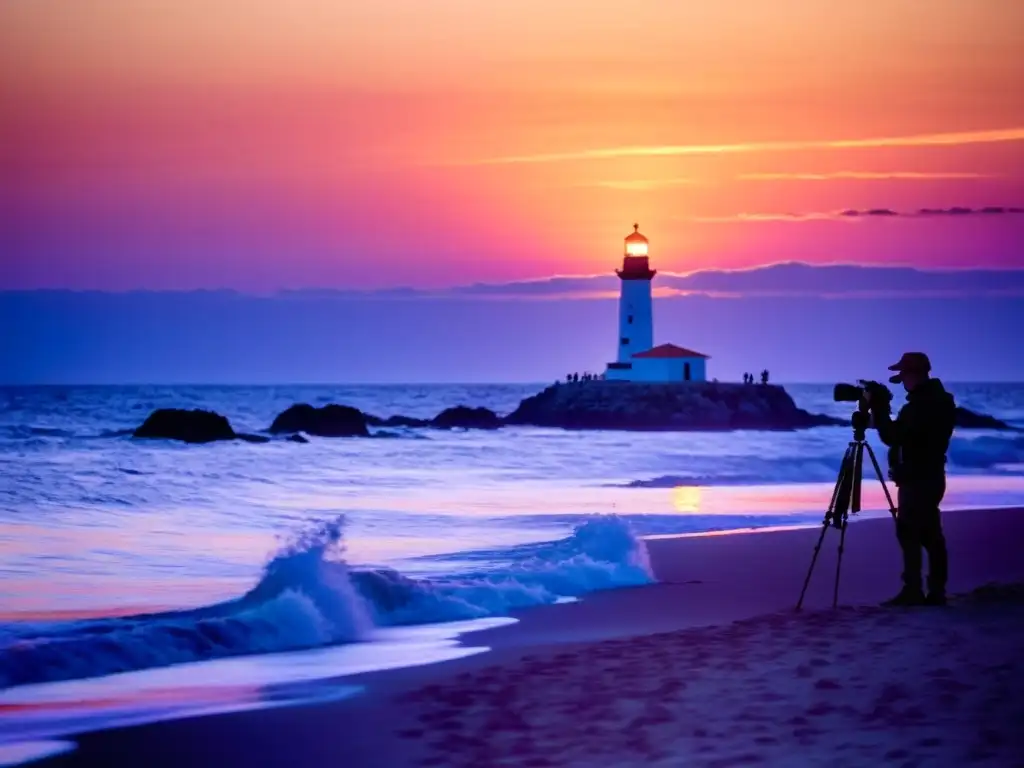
(919, 436)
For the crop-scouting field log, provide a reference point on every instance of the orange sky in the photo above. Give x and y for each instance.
(249, 144)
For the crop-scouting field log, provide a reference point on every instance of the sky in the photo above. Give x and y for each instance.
(259, 147)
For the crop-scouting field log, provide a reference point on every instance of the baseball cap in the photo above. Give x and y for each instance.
(916, 362)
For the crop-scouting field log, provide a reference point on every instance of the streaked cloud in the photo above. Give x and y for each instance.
(863, 175)
(853, 214)
(646, 184)
(674, 150)
(762, 217)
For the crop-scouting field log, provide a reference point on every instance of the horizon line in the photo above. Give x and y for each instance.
(335, 383)
(520, 281)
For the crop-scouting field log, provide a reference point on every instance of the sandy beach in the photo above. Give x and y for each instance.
(709, 667)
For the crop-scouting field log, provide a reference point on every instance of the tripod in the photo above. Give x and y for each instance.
(846, 497)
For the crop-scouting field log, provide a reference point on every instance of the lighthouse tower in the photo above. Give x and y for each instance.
(636, 316)
(638, 360)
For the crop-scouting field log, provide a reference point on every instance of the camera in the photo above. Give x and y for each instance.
(853, 393)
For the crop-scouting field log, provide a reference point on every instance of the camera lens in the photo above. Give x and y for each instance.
(846, 393)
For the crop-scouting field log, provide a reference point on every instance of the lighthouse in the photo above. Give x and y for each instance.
(637, 359)
(636, 311)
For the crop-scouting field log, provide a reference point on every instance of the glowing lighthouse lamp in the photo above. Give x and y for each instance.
(637, 358)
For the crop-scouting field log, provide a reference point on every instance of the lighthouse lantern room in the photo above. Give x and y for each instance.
(637, 358)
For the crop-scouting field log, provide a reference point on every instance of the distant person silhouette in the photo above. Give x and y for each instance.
(918, 441)
(764, 376)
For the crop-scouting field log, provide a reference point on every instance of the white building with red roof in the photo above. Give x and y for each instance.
(638, 359)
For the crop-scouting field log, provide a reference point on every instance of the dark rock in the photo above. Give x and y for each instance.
(966, 419)
(328, 421)
(665, 406)
(195, 426)
(462, 416)
(253, 438)
(297, 438)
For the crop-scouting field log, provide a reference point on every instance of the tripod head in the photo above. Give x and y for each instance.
(860, 420)
(846, 499)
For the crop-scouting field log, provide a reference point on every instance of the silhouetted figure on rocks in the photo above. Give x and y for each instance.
(764, 376)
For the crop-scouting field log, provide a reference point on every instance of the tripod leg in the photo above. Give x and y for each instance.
(858, 472)
(881, 479)
(839, 563)
(857, 466)
(828, 521)
(814, 558)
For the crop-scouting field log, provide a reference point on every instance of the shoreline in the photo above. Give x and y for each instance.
(706, 584)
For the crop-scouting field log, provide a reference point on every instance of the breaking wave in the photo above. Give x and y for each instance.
(309, 597)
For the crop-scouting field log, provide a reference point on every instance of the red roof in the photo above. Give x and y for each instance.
(669, 350)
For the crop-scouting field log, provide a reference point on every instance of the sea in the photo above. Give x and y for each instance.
(140, 566)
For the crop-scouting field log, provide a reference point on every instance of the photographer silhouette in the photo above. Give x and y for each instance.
(918, 439)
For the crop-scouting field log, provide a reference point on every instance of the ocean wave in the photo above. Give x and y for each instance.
(966, 455)
(27, 431)
(744, 471)
(309, 597)
(986, 452)
(603, 552)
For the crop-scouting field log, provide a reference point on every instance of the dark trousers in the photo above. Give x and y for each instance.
(919, 526)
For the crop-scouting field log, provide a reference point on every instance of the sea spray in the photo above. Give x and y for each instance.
(303, 600)
(311, 565)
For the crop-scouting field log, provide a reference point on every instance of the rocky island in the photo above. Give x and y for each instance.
(676, 406)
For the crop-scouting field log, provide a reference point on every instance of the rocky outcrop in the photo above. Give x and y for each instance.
(671, 406)
(966, 419)
(328, 421)
(195, 426)
(464, 417)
